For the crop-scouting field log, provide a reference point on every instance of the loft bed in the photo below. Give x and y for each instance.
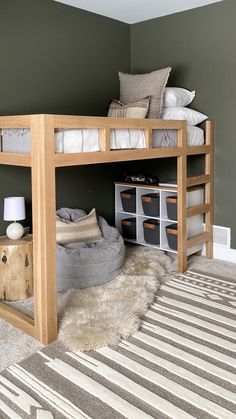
(43, 162)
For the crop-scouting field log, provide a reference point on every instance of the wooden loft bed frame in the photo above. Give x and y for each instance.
(43, 162)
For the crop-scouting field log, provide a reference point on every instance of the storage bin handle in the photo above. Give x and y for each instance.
(125, 196)
(146, 199)
(171, 200)
(151, 226)
(172, 231)
(127, 223)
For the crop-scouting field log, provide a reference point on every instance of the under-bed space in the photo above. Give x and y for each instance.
(29, 141)
(88, 140)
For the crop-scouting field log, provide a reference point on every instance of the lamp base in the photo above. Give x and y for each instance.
(15, 231)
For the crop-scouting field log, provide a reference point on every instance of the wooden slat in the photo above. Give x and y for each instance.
(105, 134)
(198, 209)
(17, 319)
(198, 239)
(15, 121)
(198, 149)
(198, 180)
(113, 156)
(69, 121)
(15, 159)
(209, 188)
(182, 198)
(148, 137)
(44, 228)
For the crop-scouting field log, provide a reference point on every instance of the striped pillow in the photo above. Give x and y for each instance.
(137, 109)
(85, 229)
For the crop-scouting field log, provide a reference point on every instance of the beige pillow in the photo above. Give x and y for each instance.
(134, 87)
(137, 109)
(86, 229)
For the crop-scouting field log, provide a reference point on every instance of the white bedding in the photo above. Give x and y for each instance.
(87, 140)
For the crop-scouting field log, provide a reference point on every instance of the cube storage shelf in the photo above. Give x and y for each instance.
(195, 224)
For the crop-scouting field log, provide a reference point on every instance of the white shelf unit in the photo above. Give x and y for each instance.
(195, 224)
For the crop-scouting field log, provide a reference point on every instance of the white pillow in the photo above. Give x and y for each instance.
(190, 115)
(177, 96)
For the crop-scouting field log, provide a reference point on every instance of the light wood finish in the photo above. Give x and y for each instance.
(182, 198)
(44, 227)
(68, 121)
(17, 319)
(16, 268)
(15, 121)
(209, 188)
(198, 239)
(198, 209)
(198, 180)
(105, 134)
(76, 159)
(13, 159)
(43, 162)
(148, 137)
(198, 149)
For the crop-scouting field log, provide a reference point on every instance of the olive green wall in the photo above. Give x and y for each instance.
(59, 59)
(199, 45)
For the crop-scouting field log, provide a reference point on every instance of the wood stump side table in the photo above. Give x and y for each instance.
(16, 268)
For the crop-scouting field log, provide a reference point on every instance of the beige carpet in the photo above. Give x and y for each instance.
(180, 364)
(16, 346)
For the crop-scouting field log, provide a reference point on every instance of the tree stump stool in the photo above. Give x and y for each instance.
(16, 268)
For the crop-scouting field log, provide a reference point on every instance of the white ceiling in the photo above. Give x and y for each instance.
(133, 11)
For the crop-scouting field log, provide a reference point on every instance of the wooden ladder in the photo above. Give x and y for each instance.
(185, 243)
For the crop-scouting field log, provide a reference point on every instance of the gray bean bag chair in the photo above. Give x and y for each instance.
(83, 265)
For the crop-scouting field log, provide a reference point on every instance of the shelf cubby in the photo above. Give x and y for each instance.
(195, 224)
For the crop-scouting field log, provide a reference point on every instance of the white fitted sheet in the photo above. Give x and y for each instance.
(88, 140)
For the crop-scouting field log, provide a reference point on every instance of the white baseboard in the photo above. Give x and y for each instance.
(223, 253)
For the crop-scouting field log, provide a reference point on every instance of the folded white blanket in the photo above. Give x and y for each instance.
(87, 140)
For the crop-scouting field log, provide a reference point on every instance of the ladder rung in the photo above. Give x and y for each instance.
(198, 239)
(198, 209)
(198, 180)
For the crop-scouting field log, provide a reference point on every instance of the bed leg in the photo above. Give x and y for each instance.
(209, 187)
(44, 227)
(182, 196)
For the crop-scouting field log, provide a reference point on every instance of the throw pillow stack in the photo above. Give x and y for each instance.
(176, 100)
(145, 96)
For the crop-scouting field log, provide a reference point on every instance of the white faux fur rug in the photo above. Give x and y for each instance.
(103, 315)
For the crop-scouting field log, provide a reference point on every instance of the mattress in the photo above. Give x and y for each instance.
(88, 140)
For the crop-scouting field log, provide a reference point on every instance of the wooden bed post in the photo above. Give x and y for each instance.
(44, 227)
(209, 187)
(182, 196)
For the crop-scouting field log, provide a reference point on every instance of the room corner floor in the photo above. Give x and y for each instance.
(16, 345)
(180, 364)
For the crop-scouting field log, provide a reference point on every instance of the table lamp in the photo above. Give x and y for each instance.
(14, 210)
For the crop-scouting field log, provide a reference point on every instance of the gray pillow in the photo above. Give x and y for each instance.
(134, 87)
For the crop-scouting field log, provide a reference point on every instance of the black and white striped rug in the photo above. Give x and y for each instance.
(180, 365)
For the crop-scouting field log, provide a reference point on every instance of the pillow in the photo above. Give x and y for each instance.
(192, 117)
(137, 109)
(134, 87)
(84, 229)
(177, 96)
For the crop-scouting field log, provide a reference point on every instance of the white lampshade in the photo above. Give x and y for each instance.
(14, 208)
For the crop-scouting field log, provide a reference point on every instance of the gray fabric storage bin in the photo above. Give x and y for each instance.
(171, 206)
(84, 265)
(128, 199)
(151, 204)
(151, 231)
(172, 236)
(129, 228)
